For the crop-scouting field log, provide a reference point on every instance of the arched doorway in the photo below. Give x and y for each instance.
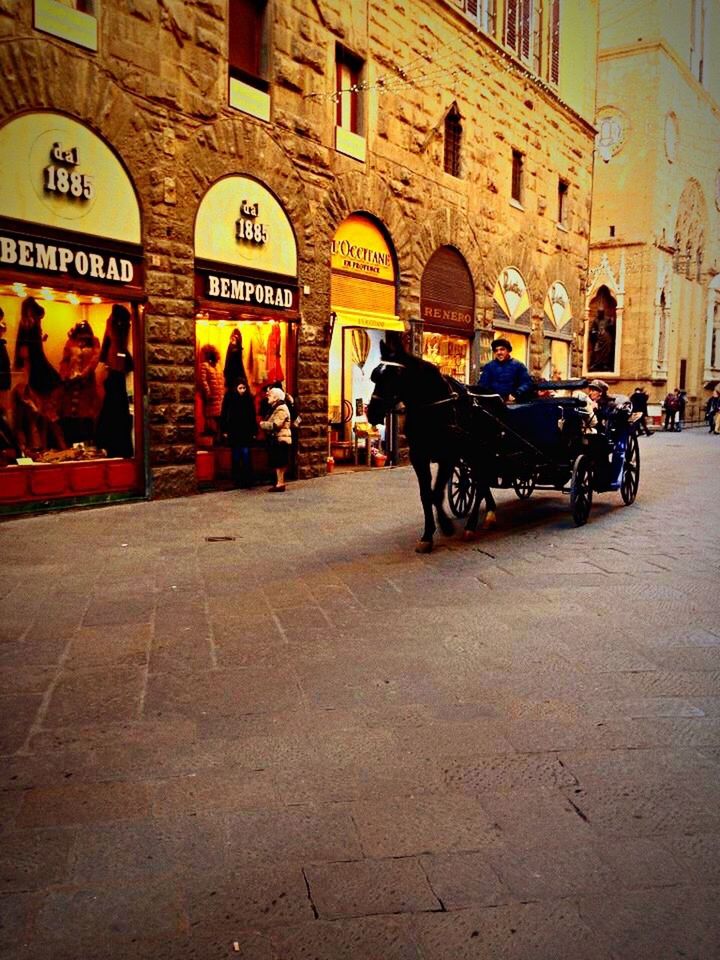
(602, 333)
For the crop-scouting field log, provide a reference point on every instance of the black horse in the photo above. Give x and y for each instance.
(438, 427)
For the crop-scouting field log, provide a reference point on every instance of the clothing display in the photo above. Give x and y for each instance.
(79, 402)
(234, 369)
(113, 431)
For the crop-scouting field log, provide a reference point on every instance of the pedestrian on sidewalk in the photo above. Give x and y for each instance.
(712, 412)
(279, 436)
(671, 405)
(238, 424)
(682, 402)
(639, 402)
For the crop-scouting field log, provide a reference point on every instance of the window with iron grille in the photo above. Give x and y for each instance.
(518, 160)
(348, 77)
(453, 137)
(247, 41)
(554, 54)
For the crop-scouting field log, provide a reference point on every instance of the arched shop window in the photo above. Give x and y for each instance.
(363, 304)
(71, 348)
(512, 316)
(447, 311)
(558, 335)
(247, 311)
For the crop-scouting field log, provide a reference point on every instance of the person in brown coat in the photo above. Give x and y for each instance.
(277, 428)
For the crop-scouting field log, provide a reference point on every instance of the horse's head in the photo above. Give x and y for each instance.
(388, 379)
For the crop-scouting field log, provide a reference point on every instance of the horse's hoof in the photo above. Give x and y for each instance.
(490, 520)
(423, 546)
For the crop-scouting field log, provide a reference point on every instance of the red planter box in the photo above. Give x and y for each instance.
(204, 466)
(87, 477)
(49, 481)
(121, 474)
(14, 483)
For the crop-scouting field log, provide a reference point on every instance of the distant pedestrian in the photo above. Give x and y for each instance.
(712, 412)
(671, 406)
(682, 402)
(639, 402)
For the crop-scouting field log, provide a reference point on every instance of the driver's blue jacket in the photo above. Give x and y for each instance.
(508, 377)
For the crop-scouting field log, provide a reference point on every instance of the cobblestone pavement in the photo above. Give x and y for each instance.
(308, 741)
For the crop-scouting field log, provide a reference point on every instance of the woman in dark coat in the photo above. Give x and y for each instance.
(239, 424)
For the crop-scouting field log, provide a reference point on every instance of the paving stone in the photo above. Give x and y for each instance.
(122, 645)
(30, 860)
(663, 923)
(97, 696)
(384, 938)
(94, 915)
(362, 888)
(294, 834)
(18, 712)
(228, 788)
(144, 850)
(108, 613)
(524, 815)
(550, 871)
(501, 773)
(642, 863)
(464, 879)
(84, 803)
(698, 855)
(415, 825)
(548, 931)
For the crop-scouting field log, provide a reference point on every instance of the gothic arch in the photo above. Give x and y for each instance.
(690, 230)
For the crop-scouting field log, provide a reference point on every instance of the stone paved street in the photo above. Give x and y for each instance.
(311, 742)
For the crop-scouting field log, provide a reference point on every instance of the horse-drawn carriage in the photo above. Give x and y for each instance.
(551, 442)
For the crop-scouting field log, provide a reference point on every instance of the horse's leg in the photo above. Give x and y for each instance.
(444, 471)
(424, 478)
(481, 492)
(490, 520)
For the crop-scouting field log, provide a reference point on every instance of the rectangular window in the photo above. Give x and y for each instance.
(348, 76)
(453, 136)
(481, 13)
(683, 374)
(562, 202)
(518, 160)
(247, 48)
(554, 53)
(73, 20)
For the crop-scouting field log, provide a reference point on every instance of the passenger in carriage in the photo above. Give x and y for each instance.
(505, 375)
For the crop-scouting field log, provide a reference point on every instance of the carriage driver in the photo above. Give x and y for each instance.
(505, 375)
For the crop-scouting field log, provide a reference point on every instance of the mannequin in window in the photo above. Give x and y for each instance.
(35, 401)
(234, 368)
(602, 342)
(80, 402)
(212, 389)
(113, 432)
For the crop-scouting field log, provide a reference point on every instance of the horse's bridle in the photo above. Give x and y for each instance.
(435, 403)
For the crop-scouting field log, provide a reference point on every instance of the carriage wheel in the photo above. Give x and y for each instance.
(581, 490)
(461, 489)
(524, 486)
(631, 471)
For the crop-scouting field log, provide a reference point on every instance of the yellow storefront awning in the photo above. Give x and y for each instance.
(364, 318)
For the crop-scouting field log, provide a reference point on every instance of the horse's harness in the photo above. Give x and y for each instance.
(434, 403)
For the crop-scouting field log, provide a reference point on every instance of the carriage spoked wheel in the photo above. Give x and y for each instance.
(461, 489)
(524, 486)
(581, 490)
(631, 471)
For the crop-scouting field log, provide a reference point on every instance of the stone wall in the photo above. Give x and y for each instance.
(156, 91)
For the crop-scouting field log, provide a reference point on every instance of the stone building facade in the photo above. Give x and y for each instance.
(655, 250)
(311, 182)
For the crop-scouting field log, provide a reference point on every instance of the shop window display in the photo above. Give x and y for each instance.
(66, 393)
(449, 353)
(227, 352)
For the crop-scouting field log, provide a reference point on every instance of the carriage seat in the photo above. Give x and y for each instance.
(546, 422)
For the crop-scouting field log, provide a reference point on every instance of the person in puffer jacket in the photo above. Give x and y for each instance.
(504, 375)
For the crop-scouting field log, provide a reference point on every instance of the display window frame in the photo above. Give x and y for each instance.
(67, 482)
(450, 338)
